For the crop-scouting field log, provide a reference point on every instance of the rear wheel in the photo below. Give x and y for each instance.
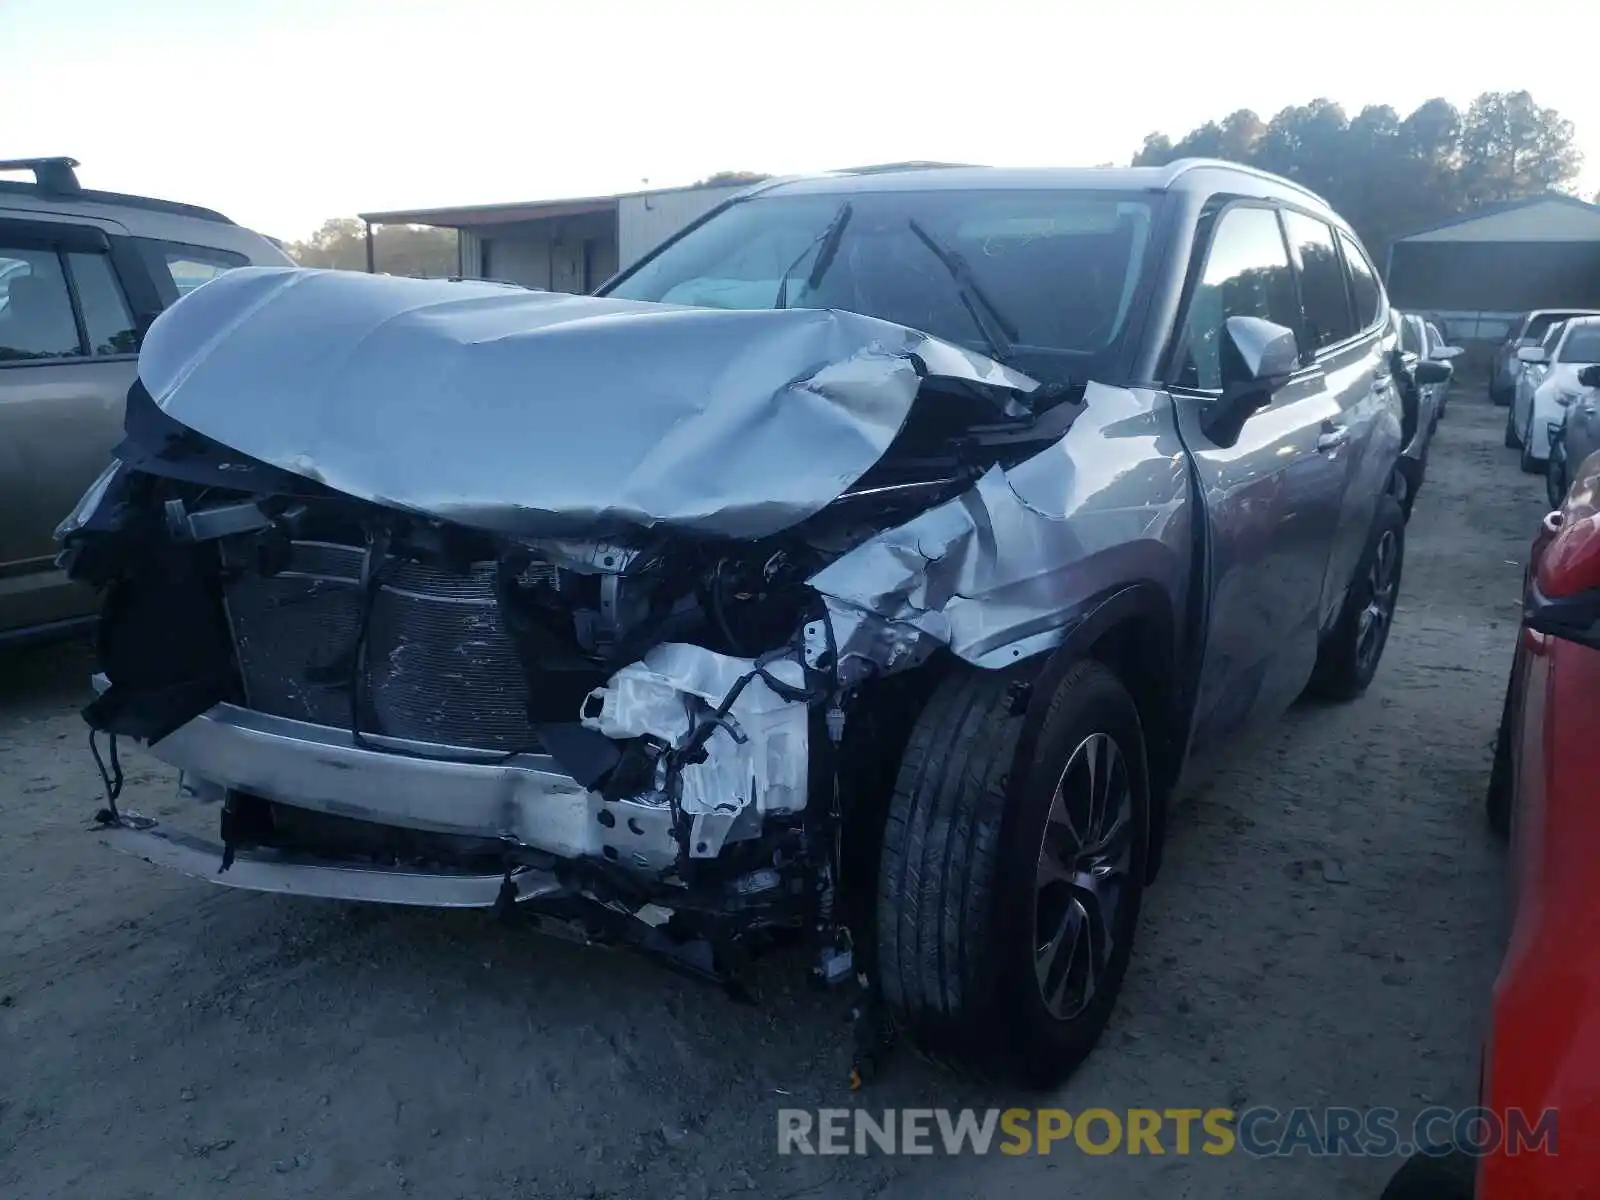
(1009, 890)
(1512, 438)
(1350, 655)
(1529, 464)
(1555, 475)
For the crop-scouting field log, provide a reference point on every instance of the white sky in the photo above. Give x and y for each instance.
(283, 112)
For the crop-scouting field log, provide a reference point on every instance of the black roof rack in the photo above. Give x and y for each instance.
(57, 177)
(49, 174)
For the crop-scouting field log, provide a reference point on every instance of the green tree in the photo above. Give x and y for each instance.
(341, 242)
(729, 178)
(1511, 147)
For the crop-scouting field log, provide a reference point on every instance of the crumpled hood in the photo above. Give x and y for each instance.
(541, 413)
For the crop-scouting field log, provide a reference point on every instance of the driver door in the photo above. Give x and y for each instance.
(1271, 496)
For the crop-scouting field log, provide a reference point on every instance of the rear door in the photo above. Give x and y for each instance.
(1271, 497)
(1348, 332)
(70, 324)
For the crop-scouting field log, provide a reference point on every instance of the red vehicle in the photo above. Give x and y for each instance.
(1542, 1052)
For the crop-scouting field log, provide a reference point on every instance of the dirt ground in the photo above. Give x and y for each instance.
(1325, 931)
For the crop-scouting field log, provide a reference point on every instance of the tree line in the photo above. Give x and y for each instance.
(397, 249)
(1390, 175)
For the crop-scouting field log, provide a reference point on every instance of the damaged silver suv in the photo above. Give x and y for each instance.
(877, 560)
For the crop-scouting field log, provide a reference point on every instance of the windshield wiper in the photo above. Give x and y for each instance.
(826, 245)
(997, 331)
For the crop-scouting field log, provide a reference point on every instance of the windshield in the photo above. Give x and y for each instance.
(1539, 326)
(1582, 345)
(1043, 279)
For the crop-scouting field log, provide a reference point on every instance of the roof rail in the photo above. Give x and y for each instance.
(1183, 165)
(49, 174)
(56, 177)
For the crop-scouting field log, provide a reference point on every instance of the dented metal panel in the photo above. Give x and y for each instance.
(541, 414)
(998, 573)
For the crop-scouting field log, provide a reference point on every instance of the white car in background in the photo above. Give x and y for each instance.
(1441, 351)
(1575, 437)
(1577, 346)
(1533, 363)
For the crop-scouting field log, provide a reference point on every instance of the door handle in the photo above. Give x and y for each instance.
(1332, 437)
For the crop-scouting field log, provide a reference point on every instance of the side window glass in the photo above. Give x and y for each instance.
(1327, 301)
(106, 318)
(188, 266)
(35, 307)
(1247, 274)
(1408, 337)
(1364, 292)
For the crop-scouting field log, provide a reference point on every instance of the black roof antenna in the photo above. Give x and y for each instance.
(50, 174)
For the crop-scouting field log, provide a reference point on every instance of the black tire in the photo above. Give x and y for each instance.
(1513, 438)
(1555, 477)
(1407, 481)
(959, 891)
(1529, 464)
(1349, 656)
(1497, 801)
(1450, 1176)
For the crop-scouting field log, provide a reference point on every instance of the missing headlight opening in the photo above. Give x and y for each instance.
(653, 696)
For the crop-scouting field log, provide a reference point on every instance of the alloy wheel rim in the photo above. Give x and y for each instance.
(1085, 856)
(1382, 586)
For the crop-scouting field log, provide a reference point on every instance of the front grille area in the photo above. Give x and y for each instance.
(439, 666)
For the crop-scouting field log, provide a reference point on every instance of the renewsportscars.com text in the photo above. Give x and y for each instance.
(1260, 1132)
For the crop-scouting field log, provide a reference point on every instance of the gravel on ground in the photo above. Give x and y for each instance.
(1325, 931)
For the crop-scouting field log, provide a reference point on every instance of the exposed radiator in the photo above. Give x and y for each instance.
(439, 666)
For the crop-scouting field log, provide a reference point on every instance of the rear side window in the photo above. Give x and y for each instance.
(1365, 295)
(106, 318)
(186, 267)
(1247, 274)
(37, 317)
(1322, 288)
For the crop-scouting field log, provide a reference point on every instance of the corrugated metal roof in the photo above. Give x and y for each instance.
(1567, 219)
(476, 215)
(472, 215)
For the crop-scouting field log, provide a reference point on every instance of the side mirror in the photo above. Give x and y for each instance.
(1563, 599)
(1589, 376)
(1446, 353)
(1531, 354)
(1427, 372)
(1258, 357)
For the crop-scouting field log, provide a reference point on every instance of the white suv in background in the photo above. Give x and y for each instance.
(1552, 371)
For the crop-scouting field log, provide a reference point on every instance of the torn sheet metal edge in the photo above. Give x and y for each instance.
(657, 696)
(542, 414)
(998, 573)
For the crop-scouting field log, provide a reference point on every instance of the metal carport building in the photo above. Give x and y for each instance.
(1481, 269)
(561, 245)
